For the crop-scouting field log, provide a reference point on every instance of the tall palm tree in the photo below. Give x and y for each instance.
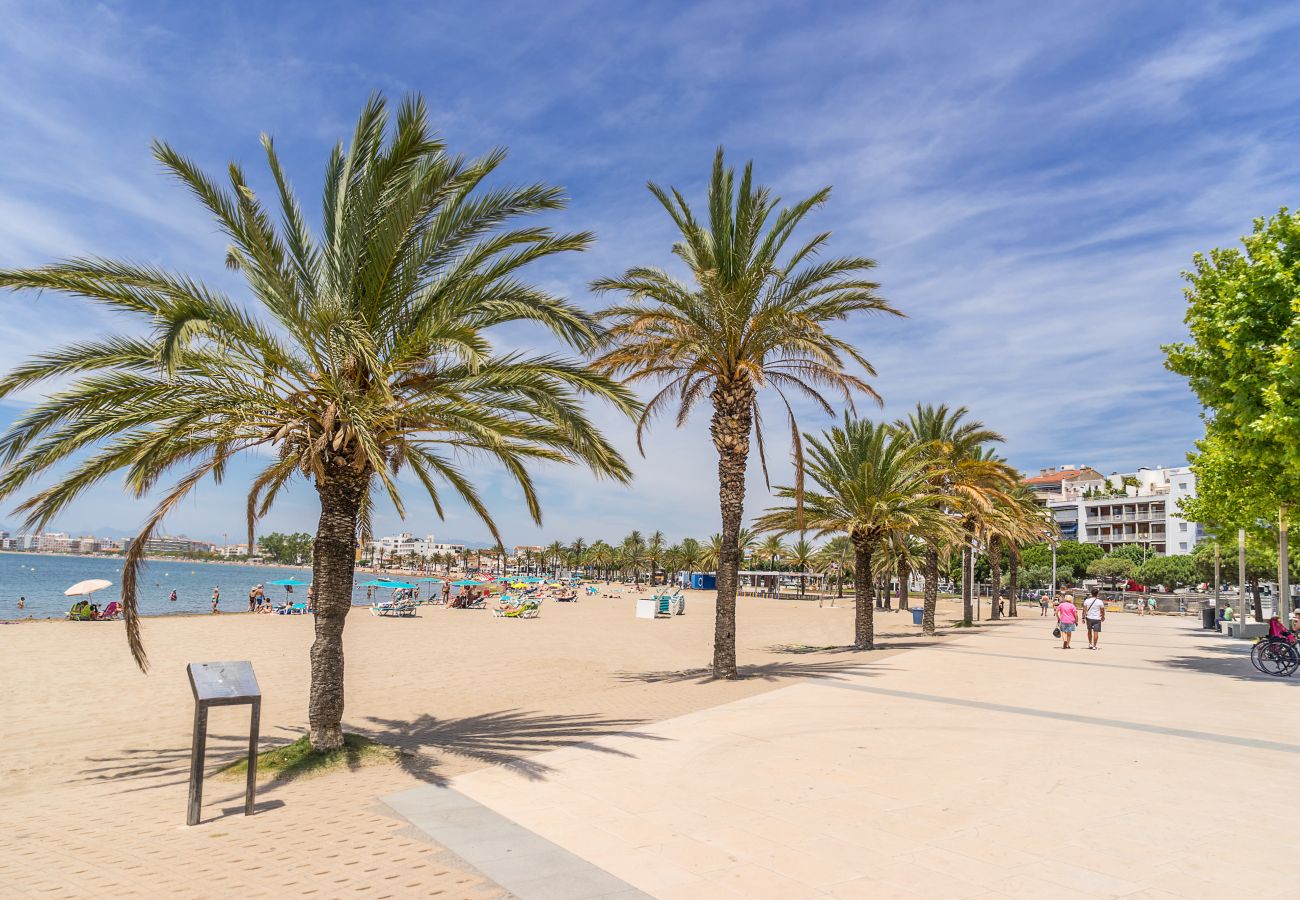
(874, 484)
(364, 350)
(751, 319)
(801, 553)
(691, 555)
(654, 552)
(837, 555)
(967, 480)
(633, 550)
(712, 551)
(771, 548)
(553, 555)
(577, 553)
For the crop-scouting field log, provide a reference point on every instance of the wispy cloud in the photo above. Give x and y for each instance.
(1030, 177)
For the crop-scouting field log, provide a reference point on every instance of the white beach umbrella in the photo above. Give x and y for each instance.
(87, 587)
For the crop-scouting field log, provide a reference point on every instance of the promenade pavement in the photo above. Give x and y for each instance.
(995, 765)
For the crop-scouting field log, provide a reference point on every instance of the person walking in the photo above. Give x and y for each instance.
(1094, 613)
(1067, 619)
(216, 598)
(1043, 601)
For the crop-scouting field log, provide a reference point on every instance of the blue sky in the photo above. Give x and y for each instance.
(1030, 177)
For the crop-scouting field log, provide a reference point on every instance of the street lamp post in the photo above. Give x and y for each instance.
(1053, 543)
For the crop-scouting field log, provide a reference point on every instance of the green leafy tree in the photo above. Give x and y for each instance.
(1136, 552)
(363, 350)
(1169, 571)
(290, 549)
(1241, 363)
(754, 317)
(1112, 568)
(1072, 558)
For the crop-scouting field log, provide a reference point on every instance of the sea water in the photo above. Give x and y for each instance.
(42, 579)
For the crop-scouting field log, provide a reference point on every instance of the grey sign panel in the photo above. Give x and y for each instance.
(222, 684)
(217, 681)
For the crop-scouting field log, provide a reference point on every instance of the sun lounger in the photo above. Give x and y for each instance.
(401, 609)
(112, 611)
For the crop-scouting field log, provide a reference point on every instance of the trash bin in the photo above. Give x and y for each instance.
(917, 613)
(1207, 618)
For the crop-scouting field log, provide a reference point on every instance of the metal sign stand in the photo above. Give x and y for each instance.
(221, 684)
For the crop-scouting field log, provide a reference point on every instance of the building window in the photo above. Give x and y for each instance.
(1182, 485)
(1182, 545)
(1182, 526)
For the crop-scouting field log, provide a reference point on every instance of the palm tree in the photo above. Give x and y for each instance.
(873, 483)
(654, 551)
(837, 555)
(961, 472)
(750, 320)
(801, 554)
(712, 551)
(633, 551)
(365, 350)
(771, 548)
(577, 553)
(691, 555)
(553, 554)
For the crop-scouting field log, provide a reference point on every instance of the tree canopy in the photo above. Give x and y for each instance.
(1241, 363)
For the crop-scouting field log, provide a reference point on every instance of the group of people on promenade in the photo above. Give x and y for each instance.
(1068, 614)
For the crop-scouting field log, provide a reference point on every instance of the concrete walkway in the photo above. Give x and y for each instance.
(995, 766)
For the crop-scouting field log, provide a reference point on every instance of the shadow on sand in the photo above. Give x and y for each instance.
(775, 671)
(507, 738)
(1227, 660)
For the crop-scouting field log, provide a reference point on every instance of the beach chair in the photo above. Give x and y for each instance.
(80, 612)
(508, 605)
(530, 610)
(112, 611)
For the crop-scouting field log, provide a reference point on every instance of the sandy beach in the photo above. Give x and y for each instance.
(102, 750)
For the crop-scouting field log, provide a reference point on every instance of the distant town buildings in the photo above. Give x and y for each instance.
(62, 542)
(1136, 508)
(408, 545)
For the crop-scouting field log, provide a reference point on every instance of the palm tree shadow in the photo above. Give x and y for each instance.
(774, 671)
(910, 643)
(505, 738)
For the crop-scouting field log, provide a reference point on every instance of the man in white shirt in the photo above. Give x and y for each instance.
(1094, 613)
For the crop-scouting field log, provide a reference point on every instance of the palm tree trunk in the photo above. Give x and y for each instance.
(864, 601)
(1013, 579)
(995, 577)
(333, 561)
(730, 427)
(931, 588)
(1258, 600)
(904, 573)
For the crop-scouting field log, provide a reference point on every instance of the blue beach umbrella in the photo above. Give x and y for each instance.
(430, 581)
(289, 582)
(385, 583)
(467, 582)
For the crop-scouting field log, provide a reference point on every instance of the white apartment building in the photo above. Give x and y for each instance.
(1138, 508)
(232, 550)
(407, 544)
